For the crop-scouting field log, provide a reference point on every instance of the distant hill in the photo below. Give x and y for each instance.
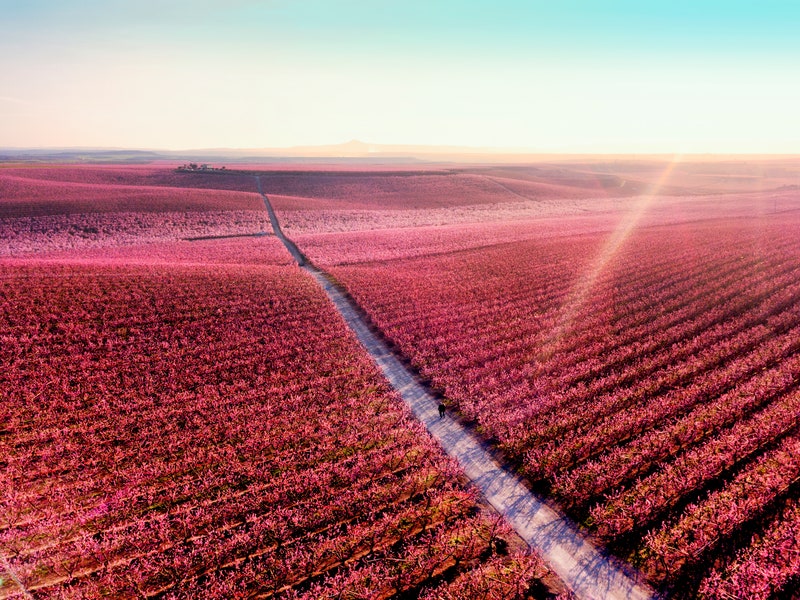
(348, 152)
(354, 151)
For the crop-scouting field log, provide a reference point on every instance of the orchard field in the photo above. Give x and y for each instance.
(184, 414)
(640, 365)
(184, 419)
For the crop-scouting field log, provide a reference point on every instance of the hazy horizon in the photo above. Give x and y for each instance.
(360, 153)
(585, 77)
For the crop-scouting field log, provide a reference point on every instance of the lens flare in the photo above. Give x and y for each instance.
(586, 282)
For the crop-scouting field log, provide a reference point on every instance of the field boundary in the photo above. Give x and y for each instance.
(201, 238)
(590, 573)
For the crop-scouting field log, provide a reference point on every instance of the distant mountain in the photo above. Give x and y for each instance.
(351, 149)
(358, 151)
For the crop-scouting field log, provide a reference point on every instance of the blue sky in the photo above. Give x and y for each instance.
(571, 76)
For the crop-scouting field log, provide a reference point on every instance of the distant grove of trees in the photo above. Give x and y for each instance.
(202, 167)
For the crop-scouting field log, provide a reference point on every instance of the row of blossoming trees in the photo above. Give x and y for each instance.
(192, 419)
(652, 385)
(71, 209)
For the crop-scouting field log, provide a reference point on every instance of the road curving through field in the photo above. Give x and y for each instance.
(588, 572)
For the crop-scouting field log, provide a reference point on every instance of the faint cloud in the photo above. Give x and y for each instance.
(13, 100)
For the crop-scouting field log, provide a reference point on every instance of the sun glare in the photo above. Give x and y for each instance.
(586, 282)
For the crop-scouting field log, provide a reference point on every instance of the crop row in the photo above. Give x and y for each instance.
(24, 197)
(637, 334)
(172, 431)
(670, 377)
(651, 496)
(715, 400)
(707, 523)
(634, 331)
(468, 371)
(387, 191)
(78, 233)
(766, 568)
(632, 409)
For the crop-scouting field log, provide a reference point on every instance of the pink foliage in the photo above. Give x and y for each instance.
(653, 391)
(51, 215)
(78, 233)
(353, 247)
(23, 197)
(132, 175)
(190, 418)
(210, 430)
(387, 190)
(262, 250)
(765, 568)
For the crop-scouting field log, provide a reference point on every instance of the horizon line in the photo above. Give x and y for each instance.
(357, 149)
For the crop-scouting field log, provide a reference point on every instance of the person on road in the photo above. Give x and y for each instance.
(442, 408)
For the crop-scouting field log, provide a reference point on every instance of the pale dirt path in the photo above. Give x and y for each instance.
(589, 573)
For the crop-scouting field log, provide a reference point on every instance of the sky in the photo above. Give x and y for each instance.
(626, 76)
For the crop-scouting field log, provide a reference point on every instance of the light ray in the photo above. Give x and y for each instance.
(583, 287)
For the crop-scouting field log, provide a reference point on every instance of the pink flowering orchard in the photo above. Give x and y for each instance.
(185, 419)
(655, 398)
(184, 414)
(181, 430)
